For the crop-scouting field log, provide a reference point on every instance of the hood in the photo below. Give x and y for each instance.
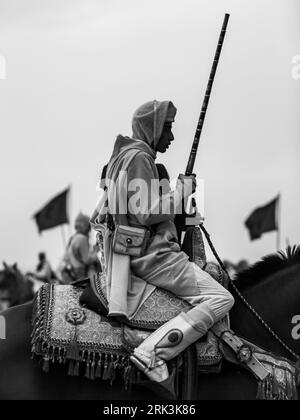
(149, 119)
(125, 144)
(82, 223)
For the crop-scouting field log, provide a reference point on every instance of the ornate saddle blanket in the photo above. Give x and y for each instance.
(65, 332)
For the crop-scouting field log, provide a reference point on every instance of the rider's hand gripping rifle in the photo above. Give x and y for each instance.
(181, 220)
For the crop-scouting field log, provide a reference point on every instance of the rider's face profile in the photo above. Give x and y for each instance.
(166, 138)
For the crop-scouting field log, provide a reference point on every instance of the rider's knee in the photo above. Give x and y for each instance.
(221, 303)
(228, 300)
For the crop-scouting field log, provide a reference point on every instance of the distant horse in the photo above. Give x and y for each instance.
(15, 288)
(272, 287)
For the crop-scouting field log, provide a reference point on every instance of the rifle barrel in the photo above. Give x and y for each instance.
(193, 154)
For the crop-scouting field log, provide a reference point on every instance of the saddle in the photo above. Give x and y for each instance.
(92, 345)
(70, 326)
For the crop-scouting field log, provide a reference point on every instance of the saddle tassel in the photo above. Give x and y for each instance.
(92, 371)
(269, 389)
(76, 368)
(129, 376)
(126, 376)
(71, 368)
(105, 375)
(261, 392)
(87, 370)
(98, 373)
(73, 349)
(291, 387)
(113, 370)
(46, 364)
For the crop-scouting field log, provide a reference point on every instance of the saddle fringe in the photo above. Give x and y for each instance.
(270, 389)
(98, 364)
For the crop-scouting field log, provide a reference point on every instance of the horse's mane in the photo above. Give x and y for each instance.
(268, 265)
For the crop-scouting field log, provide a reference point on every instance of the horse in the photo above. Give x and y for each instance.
(15, 288)
(266, 297)
(272, 289)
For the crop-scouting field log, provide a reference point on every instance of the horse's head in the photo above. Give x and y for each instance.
(9, 276)
(7, 281)
(14, 287)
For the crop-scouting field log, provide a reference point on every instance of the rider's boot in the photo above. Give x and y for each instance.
(170, 340)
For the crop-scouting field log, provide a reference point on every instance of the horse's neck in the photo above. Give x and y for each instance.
(277, 301)
(277, 294)
(18, 289)
(17, 281)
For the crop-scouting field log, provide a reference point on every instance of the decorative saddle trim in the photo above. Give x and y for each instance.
(67, 333)
(277, 376)
(160, 307)
(64, 332)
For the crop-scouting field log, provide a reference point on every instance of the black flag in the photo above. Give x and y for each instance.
(53, 213)
(262, 220)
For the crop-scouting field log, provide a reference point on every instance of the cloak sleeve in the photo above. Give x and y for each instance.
(81, 249)
(149, 201)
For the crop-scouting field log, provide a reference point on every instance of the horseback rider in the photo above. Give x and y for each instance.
(132, 278)
(78, 257)
(43, 270)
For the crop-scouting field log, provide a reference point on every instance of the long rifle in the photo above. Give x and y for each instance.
(180, 220)
(193, 154)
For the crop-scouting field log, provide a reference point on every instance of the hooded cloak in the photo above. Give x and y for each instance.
(129, 280)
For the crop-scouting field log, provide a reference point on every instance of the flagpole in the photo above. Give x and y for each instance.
(63, 237)
(69, 230)
(278, 240)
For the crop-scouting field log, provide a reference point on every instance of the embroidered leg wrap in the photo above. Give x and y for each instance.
(170, 340)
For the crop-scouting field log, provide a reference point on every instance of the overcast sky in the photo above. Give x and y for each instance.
(77, 69)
